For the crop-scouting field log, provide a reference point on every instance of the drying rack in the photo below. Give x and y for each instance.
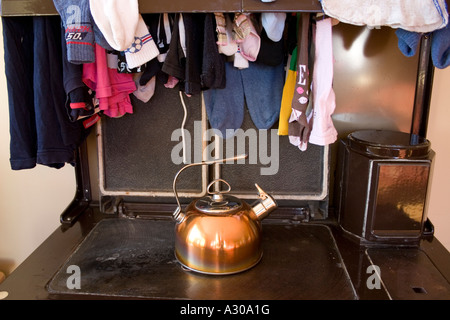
(424, 79)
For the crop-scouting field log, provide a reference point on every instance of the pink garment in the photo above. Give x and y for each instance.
(112, 89)
(323, 131)
(295, 139)
(171, 82)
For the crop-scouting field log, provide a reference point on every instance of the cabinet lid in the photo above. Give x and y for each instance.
(388, 144)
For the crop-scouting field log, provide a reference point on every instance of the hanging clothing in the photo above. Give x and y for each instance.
(213, 63)
(112, 89)
(273, 24)
(116, 20)
(271, 52)
(323, 131)
(194, 24)
(78, 30)
(440, 48)
(288, 94)
(153, 67)
(40, 129)
(259, 86)
(175, 59)
(225, 39)
(291, 69)
(408, 42)
(250, 43)
(164, 34)
(411, 15)
(299, 126)
(193, 57)
(79, 98)
(143, 48)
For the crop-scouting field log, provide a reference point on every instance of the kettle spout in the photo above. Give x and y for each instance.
(264, 205)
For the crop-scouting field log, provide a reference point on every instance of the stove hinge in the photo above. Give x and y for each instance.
(114, 206)
(293, 215)
(111, 205)
(135, 210)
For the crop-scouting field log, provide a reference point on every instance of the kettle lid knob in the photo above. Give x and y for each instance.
(216, 202)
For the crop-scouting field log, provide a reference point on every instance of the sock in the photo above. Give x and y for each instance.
(299, 127)
(79, 33)
(323, 131)
(80, 103)
(144, 92)
(150, 70)
(221, 29)
(143, 48)
(240, 61)
(171, 82)
(98, 36)
(231, 46)
(440, 48)
(273, 24)
(263, 88)
(270, 53)
(241, 26)
(288, 95)
(292, 21)
(117, 21)
(225, 107)
(408, 42)
(251, 44)
(122, 64)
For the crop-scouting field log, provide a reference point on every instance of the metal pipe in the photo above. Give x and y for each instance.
(424, 86)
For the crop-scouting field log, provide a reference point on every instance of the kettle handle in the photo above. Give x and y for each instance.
(178, 215)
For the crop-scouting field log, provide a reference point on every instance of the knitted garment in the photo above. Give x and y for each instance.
(411, 15)
(78, 27)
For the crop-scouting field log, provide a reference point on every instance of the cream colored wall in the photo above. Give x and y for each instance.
(439, 135)
(32, 200)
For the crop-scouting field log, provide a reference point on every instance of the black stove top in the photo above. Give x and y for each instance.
(135, 258)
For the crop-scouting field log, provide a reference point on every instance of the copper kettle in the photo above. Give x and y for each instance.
(220, 234)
